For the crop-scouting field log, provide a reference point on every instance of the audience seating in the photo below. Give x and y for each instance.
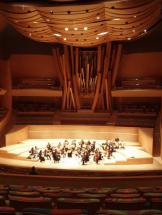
(44, 200)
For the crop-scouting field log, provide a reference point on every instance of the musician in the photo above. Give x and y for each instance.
(47, 155)
(49, 147)
(55, 156)
(40, 156)
(96, 157)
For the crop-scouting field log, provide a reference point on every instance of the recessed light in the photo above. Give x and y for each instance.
(103, 33)
(75, 28)
(145, 30)
(98, 17)
(66, 29)
(65, 38)
(97, 38)
(129, 38)
(133, 30)
(85, 28)
(135, 16)
(57, 35)
(35, 22)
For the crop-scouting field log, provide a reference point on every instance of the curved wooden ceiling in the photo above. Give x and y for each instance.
(83, 24)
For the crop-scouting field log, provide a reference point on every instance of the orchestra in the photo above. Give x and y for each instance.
(85, 150)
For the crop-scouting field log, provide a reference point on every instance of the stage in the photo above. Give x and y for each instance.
(132, 157)
(136, 154)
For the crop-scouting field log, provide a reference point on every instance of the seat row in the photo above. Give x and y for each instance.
(90, 199)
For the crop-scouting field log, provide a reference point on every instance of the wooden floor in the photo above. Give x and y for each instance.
(132, 157)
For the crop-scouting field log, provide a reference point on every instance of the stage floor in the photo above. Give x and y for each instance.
(131, 158)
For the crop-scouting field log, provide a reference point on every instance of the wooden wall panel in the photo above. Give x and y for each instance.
(83, 132)
(16, 135)
(148, 64)
(29, 65)
(146, 139)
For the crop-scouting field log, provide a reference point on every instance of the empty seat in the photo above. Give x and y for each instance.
(2, 201)
(150, 212)
(19, 203)
(91, 205)
(126, 203)
(36, 211)
(7, 211)
(25, 193)
(125, 195)
(127, 190)
(111, 212)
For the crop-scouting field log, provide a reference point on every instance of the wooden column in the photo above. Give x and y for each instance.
(55, 53)
(116, 65)
(161, 130)
(98, 84)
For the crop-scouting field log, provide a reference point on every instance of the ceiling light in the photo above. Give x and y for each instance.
(85, 28)
(65, 38)
(35, 22)
(75, 28)
(57, 35)
(66, 29)
(116, 19)
(47, 20)
(133, 30)
(98, 17)
(145, 30)
(135, 16)
(103, 33)
(129, 38)
(97, 38)
(30, 34)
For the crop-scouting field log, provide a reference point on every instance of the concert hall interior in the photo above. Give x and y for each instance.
(81, 96)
